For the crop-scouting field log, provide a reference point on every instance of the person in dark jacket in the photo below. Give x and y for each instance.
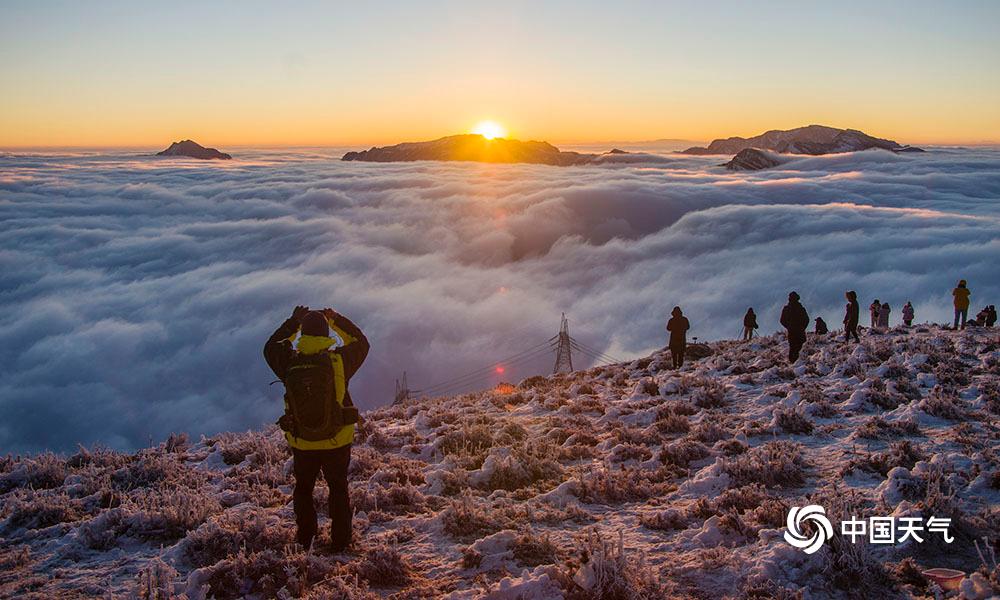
(908, 314)
(795, 320)
(332, 456)
(851, 317)
(749, 323)
(821, 328)
(678, 326)
(875, 308)
(991, 317)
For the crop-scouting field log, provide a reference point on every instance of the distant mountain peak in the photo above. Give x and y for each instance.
(192, 149)
(812, 139)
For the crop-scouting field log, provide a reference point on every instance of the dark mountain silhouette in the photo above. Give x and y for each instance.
(812, 139)
(192, 149)
(473, 147)
(752, 159)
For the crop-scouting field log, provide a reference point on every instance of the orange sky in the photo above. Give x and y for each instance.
(115, 73)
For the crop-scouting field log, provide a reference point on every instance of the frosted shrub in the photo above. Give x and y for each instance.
(382, 566)
(224, 535)
(532, 550)
(40, 510)
(608, 574)
(946, 406)
(168, 514)
(664, 520)
(155, 581)
(668, 421)
(466, 516)
(467, 440)
(42, 472)
(394, 498)
(605, 485)
(711, 395)
(777, 463)
(742, 498)
(877, 428)
(263, 574)
(792, 420)
(627, 452)
(682, 452)
(899, 454)
(709, 431)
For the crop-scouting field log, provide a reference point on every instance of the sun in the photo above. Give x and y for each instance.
(489, 130)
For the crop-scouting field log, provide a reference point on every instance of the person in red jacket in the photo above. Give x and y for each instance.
(331, 455)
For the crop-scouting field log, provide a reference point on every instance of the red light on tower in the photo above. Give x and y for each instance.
(500, 370)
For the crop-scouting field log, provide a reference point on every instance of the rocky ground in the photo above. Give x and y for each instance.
(624, 481)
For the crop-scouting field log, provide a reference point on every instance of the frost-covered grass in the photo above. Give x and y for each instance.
(623, 481)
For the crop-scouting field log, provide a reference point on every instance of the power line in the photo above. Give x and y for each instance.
(487, 369)
(441, 390)
(595, 351)
(599, 360)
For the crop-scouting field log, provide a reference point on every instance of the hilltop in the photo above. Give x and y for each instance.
(628, 480)
(476, 148)
(192, 149)
(811, 139)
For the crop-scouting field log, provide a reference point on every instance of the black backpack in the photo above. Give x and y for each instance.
(311, 397)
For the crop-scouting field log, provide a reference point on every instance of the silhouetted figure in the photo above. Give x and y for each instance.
(875, 308)
(908, 314)
(821, 328)
(749, 324)
(795, 320)
(851, 316)
(883, 316)
(319, 414)
(961, 295)
(678, 326)
(991, 316)
(982, 316)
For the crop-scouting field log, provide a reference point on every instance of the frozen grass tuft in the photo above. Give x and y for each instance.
(779, 463)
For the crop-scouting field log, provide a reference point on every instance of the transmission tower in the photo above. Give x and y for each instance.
(564, 356)
(402, 390)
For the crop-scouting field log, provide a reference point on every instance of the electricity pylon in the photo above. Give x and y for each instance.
(402, 390)
(564, 356)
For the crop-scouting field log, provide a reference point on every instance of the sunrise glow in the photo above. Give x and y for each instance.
(490, 130)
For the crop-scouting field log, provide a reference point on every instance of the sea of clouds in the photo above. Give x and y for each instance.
(136, 292)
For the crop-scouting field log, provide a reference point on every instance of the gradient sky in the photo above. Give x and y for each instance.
(267, 73)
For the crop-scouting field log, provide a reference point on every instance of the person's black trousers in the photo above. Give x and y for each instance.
(306, 466)
(851, 330)
(795, 343)
(677, 356)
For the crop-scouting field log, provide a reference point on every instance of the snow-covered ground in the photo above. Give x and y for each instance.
(623, 481)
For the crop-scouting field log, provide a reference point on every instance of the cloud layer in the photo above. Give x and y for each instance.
(136, 293)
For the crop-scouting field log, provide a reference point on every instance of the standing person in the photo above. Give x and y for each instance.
(851, 316)
(883, 316)
(319, 414)
(874, 309)
(908, 314)
(821, 328)
(961, 295)
(678, 326)
(795, 320)
(749, 323)
(991, 317)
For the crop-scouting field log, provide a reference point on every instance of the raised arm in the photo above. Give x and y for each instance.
(356, 346)
(278, 349)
